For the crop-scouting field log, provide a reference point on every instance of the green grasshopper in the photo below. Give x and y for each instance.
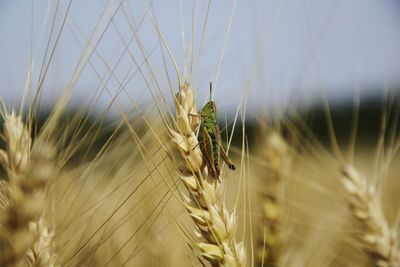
(210, 138)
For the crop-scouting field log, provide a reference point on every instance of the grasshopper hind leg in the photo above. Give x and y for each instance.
(231, 166)
(226, 159)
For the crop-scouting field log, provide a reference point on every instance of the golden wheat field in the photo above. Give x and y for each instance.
(137, 136)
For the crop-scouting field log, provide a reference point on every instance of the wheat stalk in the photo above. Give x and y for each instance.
(216, 227)
(377, 239)
(28, 172)
(277, 158)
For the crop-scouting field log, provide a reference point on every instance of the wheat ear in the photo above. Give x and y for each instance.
(27, 175)
(277, 159)
(375, 236)
(216, 227)
(41, 254)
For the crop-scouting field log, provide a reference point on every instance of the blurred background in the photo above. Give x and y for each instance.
(275, 54)
(285, 63)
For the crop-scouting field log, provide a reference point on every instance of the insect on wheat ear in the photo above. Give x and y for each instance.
(210, 138)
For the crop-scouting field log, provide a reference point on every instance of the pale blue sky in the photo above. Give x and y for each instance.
(277, 48)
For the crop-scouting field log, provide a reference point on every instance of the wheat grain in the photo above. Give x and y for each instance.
(216, 227)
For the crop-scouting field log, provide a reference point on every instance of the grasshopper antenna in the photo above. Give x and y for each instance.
(210, 90)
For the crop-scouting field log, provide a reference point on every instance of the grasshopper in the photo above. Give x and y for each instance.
(210, 138)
